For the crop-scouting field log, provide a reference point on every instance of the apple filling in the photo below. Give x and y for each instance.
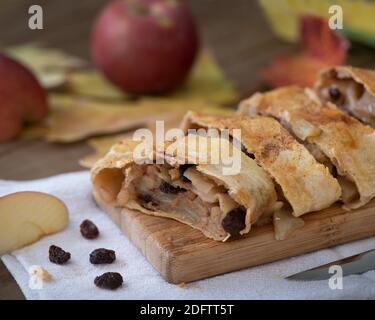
(183, 194)
(349, 191)
(303, 129)
(351, 97)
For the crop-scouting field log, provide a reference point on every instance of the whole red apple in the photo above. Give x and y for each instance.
(10, 123)
(20, 89)
(22, 98)
(145, 46)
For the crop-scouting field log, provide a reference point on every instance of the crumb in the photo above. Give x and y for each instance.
(40, 273)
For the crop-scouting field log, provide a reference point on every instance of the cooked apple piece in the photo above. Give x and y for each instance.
(285, 223)
(25, 217)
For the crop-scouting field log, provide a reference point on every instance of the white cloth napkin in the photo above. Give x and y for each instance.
(75, 279)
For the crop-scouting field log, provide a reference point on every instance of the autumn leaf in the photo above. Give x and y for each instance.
(322, 43)
(50, 66)
(287, 70)
(75, 118)
(93, 106)
(92, 83)
(205, 82)
(321, 48)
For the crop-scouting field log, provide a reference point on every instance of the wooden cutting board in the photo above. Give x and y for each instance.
(182, 254)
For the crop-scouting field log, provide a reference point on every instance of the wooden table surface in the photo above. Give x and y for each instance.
(235, 30)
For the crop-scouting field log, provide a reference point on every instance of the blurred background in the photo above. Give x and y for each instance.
(236, 31)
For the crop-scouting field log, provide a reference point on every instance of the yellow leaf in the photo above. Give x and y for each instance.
(93, 106)
(50, 66)
(75, 118)
(92, 83)
(283, 16)
(207, 81)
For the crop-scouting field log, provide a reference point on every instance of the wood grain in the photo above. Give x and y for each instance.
(182, 254)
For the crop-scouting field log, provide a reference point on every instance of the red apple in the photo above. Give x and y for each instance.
(21, 92)
(145, 46)
(10, 123)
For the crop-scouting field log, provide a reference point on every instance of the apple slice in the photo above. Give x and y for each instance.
(25, 217)
(285, 223)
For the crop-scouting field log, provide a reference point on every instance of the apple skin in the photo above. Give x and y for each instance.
(27, 216)
(145, 46)
(21, 91)
(10, 122)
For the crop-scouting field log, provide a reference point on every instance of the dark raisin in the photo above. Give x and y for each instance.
(334, 93)
(146, 198)
(234, 222)
(182, 168)
(249, 154)
(89, 230)
(101, 256)
(109, 280)
(168, 188)
(58, 255)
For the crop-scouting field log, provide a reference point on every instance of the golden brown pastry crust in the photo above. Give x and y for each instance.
(300, 176)
(252, 187)
(349, 144)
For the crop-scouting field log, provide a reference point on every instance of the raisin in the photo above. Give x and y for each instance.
(101, 256)
(182, 168)
(89, 230)
(249, 154)
(58, 255)
(334, 93)
(147, 201)
(109, 280)
(234, 222)
(145, 198)
(168, 188)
